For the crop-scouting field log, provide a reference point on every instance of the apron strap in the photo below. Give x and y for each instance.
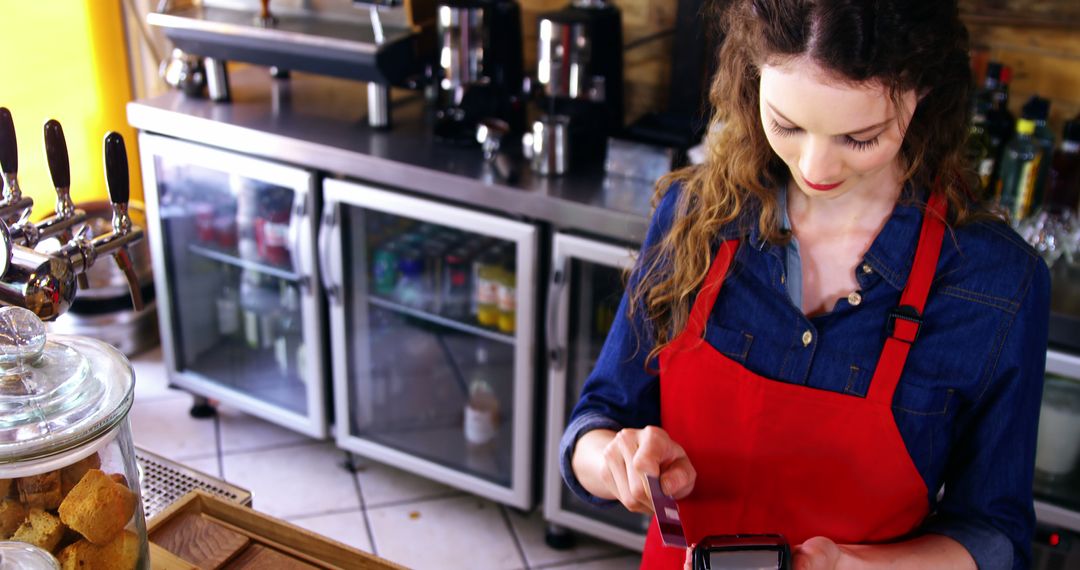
(706, 298)
(905, 321)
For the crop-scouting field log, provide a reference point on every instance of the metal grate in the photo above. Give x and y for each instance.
(163, 482)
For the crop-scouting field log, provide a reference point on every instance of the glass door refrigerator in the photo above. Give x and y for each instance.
(233, 248)
(1057, 454)
(432, 319)
(587, 285)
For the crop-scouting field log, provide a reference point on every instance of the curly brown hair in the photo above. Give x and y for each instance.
(904, 45)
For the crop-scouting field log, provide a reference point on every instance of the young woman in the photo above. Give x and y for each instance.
(824, 335)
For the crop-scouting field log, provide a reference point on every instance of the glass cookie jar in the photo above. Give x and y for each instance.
(69, 482)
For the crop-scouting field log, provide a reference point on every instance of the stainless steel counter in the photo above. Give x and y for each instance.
(317, 123)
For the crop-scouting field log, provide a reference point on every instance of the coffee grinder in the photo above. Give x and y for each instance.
(479, 72)
(580, 76)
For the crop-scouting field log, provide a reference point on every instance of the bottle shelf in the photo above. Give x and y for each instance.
(447, 322)
(231, 259)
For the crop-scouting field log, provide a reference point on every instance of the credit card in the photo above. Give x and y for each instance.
(667, 515)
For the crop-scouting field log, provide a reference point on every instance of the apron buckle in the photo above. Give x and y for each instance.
(910, 323)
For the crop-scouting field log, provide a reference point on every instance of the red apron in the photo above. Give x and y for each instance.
(776, 457)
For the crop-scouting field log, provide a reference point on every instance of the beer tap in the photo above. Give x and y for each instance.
(45, 283)
(82, 251)
(13, 205)
(66, 216)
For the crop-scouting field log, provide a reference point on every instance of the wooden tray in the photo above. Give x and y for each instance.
(201, 531)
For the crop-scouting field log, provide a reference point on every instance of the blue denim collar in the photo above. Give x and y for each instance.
(892, 251)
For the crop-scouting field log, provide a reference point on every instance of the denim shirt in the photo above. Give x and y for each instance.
(967, 404)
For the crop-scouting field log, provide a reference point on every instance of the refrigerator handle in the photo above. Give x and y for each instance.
(300, 241)
(559, 278)
(329, 236)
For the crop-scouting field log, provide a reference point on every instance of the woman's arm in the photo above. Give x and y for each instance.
(612, 465)
(927, 551)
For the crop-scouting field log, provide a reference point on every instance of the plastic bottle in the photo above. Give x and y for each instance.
(384, 270)
(1016, 186)
(409, 290)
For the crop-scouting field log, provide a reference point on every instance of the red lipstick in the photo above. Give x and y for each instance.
(822, 187)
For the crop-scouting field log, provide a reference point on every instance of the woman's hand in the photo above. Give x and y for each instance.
(613, 465)
(818, 553)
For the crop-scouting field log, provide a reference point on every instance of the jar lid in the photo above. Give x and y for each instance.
(58, 393)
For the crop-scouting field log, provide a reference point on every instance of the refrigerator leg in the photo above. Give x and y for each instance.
(353, 463)
(202, 409)
(559, 537)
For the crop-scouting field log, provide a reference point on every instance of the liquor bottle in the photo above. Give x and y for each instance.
(1000, 122)
(1037, 110)
(1063, 181)
(980, 150)
(1016, 185)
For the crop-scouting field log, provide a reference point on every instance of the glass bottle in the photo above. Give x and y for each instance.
(506, 300)
(1000, 121)
(482, 407)
(1063, 181)
(289, 333)
(456, 285)
(1037, 110)
(487, 287)
(1016, 185)
(980, 150)
(228, 305)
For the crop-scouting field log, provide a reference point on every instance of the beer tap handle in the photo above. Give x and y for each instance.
(59, 167)
(13, 205)
(66, 216)
(9, 149)
(116, 177)
(116, 171)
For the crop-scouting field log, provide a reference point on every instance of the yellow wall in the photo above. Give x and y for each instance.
(66, 60)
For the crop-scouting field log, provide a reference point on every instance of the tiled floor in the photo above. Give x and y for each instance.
(399, 516)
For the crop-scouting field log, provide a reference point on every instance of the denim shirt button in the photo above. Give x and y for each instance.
(854, 298)
(807, 338)
(867, 269)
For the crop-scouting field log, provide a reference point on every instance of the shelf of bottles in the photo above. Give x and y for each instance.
(228, 259)
(442, 344)
(589, 284)
(435, 362)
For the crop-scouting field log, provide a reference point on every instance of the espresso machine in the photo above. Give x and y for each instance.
(479, 70)
(580, 75)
